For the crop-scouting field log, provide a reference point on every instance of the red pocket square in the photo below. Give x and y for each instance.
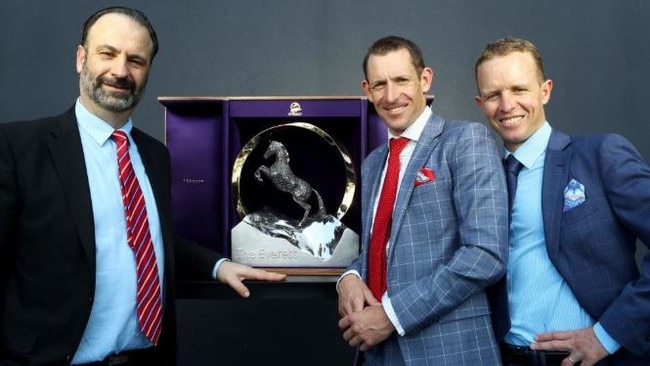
(425, 175)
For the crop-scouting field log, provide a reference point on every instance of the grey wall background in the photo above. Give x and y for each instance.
(595, 51)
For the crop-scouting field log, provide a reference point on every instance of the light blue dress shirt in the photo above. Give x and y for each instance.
(540, 300)
(113, 325)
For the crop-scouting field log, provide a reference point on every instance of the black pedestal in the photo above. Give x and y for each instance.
(289, 323)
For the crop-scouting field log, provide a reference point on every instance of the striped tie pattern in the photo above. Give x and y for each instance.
(149, 305)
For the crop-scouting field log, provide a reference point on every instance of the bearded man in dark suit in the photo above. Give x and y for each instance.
(67, 276)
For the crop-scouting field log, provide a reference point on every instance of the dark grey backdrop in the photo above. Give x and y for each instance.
(595, 51)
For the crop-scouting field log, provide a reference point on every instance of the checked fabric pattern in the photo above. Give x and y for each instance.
(383, 220)
(149, 303)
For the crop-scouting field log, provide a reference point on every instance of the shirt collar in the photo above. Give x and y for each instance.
(99, 130)
(414, 131)
(533, 147)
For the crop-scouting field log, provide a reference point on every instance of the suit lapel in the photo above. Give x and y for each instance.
(64, 143)
(556, 172)
(371, 190)
(159, 181)
(428, 140)
(152, 164)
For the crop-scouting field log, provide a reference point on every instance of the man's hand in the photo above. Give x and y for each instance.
(367, 327)
(582, 343)
(232, 274)
(354, 294)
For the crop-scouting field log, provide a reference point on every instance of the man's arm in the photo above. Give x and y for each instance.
(626, 178)
(203, 261)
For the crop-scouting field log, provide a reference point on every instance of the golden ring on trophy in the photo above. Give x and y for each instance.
(253, 143)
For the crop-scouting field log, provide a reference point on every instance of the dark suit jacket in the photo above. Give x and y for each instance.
(593, 244)
(47, 242)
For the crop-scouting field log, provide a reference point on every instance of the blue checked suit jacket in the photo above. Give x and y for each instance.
(593, 244)
(448, 242)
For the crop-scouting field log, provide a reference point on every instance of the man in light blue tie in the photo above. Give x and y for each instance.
(575, 292)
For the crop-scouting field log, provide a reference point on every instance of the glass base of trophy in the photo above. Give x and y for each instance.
(263, 239)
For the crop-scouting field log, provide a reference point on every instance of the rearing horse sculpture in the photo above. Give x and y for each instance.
(283, 179)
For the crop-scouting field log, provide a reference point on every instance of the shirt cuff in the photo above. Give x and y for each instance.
(216, 267)
(385, 302)
(605, 339)
(352, 271)
(390, 312)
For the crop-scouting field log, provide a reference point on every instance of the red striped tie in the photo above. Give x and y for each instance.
(149, 306)
(383, 220)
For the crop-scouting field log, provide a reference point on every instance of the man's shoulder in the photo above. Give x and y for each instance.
(597, 142)
(595, 149)
(597, 138)
(26, 124)
(465, 124)
(456, 125)
(17, 129)
(463, 129)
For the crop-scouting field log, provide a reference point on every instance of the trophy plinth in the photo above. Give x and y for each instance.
(307, 248)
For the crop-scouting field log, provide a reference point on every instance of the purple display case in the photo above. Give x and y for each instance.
(205, 134)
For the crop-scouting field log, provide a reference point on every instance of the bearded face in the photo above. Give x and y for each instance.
(122, 94)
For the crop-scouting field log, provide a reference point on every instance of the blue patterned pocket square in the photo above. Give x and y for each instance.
(574, 195)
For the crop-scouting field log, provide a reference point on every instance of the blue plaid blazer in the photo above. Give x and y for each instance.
(448, 242)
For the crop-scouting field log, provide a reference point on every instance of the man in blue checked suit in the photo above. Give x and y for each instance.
(575, 293)
(447, 234)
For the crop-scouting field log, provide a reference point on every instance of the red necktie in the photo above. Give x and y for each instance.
(383, 219)
(149, 306)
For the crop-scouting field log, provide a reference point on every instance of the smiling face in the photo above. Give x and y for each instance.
(113, 67)
(512, 96)
(396, 89)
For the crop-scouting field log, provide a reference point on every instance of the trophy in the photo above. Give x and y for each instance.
(292, 184)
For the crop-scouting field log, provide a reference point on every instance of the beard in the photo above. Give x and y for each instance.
(112, 101)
